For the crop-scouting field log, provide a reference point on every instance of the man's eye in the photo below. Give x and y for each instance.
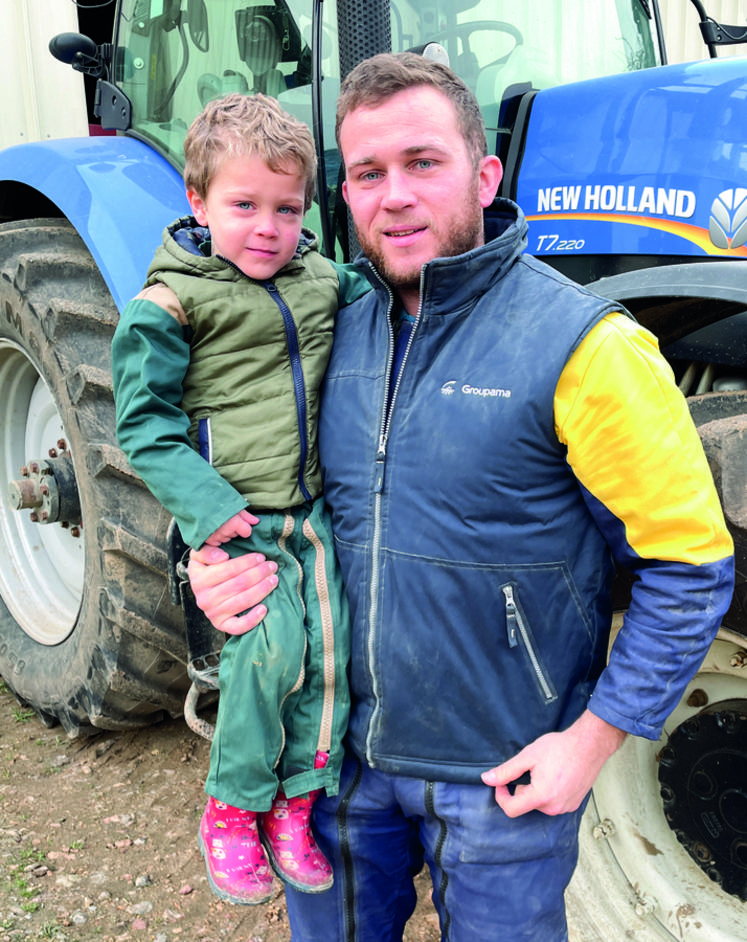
(424, 163)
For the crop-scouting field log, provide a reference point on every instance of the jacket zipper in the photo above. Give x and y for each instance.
(299, 386)
(388, 408)
(294, 354)
(516, 628)
(288, 526)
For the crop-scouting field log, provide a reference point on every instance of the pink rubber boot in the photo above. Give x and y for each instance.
(236, 864)
(286, 834)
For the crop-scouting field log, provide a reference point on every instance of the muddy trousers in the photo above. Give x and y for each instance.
(495, 879)
(283, 685)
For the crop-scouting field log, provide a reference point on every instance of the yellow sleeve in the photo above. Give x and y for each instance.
(634, 448)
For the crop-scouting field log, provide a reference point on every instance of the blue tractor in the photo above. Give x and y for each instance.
(633, 175)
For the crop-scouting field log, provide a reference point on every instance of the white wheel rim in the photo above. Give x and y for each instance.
(42, 576)
(640, 871)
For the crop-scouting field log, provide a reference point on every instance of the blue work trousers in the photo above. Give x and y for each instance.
(495, 878)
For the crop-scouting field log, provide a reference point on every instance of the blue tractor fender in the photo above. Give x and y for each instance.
(117, 192)
(650, 163)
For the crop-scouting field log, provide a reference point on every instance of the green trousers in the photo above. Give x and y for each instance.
(283, 686)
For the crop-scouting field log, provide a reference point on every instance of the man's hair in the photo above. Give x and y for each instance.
(247, 126)
(376, 80)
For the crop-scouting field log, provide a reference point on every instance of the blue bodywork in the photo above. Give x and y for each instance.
(646, 163)
(650, 163)
(116, 191)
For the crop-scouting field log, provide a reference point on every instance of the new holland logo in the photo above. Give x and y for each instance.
(728, 223)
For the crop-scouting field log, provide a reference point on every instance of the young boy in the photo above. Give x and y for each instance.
(223, 353)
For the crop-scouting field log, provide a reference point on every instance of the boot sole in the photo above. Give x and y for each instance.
(223, 894)
(286, 878)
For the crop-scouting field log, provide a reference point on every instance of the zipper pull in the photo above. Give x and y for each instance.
(380, 461)
(512, 621)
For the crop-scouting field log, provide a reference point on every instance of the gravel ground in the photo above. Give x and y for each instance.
(98, 841)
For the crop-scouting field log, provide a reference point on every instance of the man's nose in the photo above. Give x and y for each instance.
(398, 190)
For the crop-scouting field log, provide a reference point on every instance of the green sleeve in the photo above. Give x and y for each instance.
(353, 283)
(150, 356)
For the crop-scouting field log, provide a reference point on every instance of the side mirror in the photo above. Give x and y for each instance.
(77, 50)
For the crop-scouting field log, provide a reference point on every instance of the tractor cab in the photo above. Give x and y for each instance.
(169, 58)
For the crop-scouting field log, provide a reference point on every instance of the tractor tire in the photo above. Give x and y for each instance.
(663, 843)
(89, 636)
(644, 878)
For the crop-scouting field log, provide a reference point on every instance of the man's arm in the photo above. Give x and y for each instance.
(642, 471)
(639, 462)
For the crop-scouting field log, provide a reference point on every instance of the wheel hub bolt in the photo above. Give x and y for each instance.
(48, 489)
(645, 905)
(738, 659)
(603, 830)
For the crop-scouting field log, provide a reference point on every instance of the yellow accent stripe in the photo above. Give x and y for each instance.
(632, 443)
(694, 234)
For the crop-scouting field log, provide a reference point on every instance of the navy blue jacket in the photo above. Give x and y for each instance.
(477, 575)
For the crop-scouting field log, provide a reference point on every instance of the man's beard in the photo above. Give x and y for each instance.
(464, 237)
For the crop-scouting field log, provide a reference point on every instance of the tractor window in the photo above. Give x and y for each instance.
(497, 46)
(173, 56)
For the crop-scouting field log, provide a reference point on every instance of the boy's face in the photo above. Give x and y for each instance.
(254, 214)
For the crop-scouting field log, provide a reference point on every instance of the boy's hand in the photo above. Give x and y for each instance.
(239, 525)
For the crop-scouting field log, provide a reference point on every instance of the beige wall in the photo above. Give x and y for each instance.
(682, 34)
(44, 98)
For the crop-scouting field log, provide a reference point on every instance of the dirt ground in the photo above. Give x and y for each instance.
(98, 840)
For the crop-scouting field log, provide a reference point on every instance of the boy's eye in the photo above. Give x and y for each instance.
(288, 210)
(244, 204)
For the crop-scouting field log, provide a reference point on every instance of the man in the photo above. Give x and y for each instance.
(490, 434)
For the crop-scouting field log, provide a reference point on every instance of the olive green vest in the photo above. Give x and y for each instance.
(240, 378)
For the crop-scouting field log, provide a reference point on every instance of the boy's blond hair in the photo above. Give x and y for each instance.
(247, 126)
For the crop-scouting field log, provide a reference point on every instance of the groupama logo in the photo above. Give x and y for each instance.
(481, 392)
(728, 223)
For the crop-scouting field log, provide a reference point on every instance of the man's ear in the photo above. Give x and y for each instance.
(345, 191)
(197, 205)
(491, 174)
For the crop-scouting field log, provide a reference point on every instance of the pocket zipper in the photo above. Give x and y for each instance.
(515, 626)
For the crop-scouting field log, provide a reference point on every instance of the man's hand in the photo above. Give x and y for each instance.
(239, 525)
(224, 587)
(562, 768)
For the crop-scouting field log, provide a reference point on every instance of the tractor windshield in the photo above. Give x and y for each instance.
(172, 56)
